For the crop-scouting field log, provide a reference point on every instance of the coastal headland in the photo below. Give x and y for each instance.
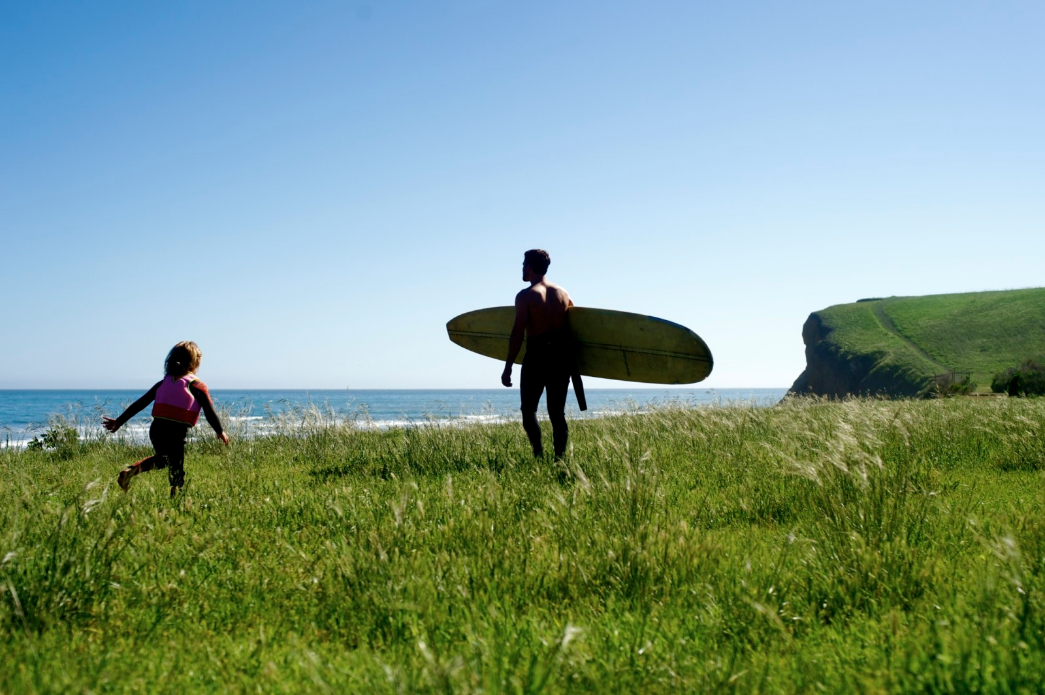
(906, 346)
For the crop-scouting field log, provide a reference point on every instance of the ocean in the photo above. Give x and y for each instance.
(26, 413)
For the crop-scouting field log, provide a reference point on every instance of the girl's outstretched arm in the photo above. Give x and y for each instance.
(132, 410)
(202, 394)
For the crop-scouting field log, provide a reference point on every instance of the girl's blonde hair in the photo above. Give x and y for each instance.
(184, 358)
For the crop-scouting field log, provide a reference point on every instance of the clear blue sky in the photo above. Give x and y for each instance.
(311, 190)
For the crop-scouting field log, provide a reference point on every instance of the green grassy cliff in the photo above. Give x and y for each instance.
(897, 346)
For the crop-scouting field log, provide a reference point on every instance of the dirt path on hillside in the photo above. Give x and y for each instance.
(887, 324)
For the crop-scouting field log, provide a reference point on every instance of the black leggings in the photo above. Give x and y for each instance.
(168, 440)
(546, 366)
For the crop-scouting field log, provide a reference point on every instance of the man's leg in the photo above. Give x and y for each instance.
(531, 384)
(558, 386)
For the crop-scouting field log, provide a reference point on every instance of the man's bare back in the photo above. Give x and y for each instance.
(539, 309)
(544, 306)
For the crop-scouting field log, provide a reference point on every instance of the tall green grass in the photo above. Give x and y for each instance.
(810, 547)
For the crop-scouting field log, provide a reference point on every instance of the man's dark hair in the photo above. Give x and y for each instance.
(538, 260)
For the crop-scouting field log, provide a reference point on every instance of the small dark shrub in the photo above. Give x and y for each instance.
(950, 384)
(1001, 380)
(1028, 380)
(1033, 375)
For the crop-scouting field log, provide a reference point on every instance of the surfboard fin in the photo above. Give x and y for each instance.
(578, 388)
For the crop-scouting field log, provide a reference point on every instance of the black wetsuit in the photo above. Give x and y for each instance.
(168, 440)
(547, 365)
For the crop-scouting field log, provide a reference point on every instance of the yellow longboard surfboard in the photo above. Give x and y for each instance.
(609, 344)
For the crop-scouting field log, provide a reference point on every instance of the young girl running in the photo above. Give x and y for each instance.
(179, 398)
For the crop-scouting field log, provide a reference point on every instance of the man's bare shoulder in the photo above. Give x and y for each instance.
(558, 291)
(526, 295)
(559, 288)
(542, 293)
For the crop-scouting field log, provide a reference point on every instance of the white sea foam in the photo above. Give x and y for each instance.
(250, 426)
(297, 414)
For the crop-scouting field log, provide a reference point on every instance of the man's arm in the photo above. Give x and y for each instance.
(515, 340)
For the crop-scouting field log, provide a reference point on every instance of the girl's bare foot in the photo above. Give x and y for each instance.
(124, 479)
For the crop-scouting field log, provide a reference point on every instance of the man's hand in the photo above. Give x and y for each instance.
(506, 376)
(224, 437)
(109, 424)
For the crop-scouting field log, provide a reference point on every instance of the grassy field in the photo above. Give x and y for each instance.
(980, 333)
(857, 546)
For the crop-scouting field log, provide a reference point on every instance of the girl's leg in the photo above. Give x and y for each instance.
(164, 438)
(168, 438)
(150, 463)
(176, 467)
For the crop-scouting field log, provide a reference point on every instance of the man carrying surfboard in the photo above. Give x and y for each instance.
(540, 317)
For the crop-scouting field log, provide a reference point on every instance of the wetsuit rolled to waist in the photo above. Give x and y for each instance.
(557, 346)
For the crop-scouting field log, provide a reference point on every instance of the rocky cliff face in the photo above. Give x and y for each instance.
(831, 373)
